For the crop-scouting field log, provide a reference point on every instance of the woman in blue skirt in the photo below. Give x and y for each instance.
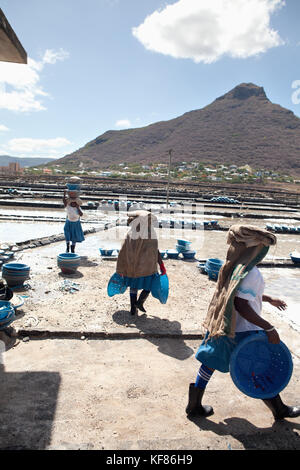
(72, 229)
(139, 257)
(235, 313)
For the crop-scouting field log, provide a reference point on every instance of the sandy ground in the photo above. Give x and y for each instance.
(49, 307)
(130, 393)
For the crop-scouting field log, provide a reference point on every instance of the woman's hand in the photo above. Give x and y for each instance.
(273, 337)
(162, 268)
(280, 304)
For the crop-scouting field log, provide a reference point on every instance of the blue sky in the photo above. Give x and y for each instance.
(96, 65)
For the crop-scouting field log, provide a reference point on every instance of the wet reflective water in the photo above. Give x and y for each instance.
(284, 284)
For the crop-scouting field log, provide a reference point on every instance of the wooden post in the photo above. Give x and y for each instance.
(168, 187)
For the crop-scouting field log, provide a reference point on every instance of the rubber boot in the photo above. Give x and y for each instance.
(195, 407)
(72, 248)
(140, 303)
(68, 248)
(133, 298)
(280, 410)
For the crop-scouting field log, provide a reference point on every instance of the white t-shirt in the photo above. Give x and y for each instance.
(72, 213)
(251, 288)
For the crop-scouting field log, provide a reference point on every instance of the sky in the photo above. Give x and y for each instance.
(99, 65)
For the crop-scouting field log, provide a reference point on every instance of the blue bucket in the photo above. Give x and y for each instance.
(106, 252)
(172, 254)
(116, 285)
(212, 267)
(189, 254)
(202, 268)
(7, 314)
(68, 262)
(181, 248)
(259, 368)
(160, 288)
(214, 263)
(184, 243)
(295, 259)
(15, 273)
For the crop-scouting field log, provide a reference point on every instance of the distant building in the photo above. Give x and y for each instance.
(13, 168)
(47, 171)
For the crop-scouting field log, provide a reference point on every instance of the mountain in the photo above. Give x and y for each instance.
(241, 127)
(28, 162)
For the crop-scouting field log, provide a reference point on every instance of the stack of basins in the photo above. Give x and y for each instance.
(15, 274)
(68, 262)
(183, 247)
(7, 314)
(212, 267)
(107, 251)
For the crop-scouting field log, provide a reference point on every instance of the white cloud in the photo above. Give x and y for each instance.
(3, 128)
(51, 57)
(123, 123)
(204, 31)
(23, 147)
(20, 89)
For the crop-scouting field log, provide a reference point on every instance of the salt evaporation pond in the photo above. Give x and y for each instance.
(18, 232)
(11, 232)
(284, 283)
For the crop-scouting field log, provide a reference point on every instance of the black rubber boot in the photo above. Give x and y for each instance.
(140, 303)
(73, 248)
(195, 407)
(280, 410)
(133, 298)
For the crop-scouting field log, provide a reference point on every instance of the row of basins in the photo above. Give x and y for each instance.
(15, 275)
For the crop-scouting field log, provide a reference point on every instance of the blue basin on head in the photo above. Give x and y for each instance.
(73, 187)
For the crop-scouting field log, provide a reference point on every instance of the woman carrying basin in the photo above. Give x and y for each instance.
(139, 258)
(235, 314)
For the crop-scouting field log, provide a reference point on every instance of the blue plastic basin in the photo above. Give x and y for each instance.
(261, 369)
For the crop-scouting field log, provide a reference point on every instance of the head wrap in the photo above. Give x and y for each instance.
(139, 252)
(248, 245)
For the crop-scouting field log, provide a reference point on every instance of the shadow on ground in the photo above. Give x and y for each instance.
(84, 261)
(157, 326)
(27, 403)
(281, 436)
